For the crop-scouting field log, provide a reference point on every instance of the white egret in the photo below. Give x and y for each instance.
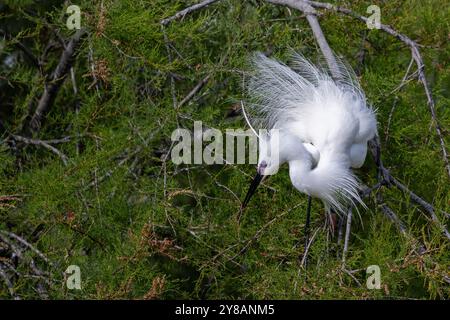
(324, 125)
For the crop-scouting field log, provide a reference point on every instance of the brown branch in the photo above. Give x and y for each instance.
(46, 144)
(347, 236)
(16, 245)
(194, 91)
(391, 114)
(124, 156)
(385, 177)
(57, 78)
(368, 190)
(425, 205)
(184, 12)
(27, 244)
(8, 283)
(111, 171)
(260, 232)
(308, 246)
(311, 16)
(390, 214)
(169, 57)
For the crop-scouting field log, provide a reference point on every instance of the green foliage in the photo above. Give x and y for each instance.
(141, 227)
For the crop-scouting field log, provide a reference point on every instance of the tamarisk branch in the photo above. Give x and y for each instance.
(57, 78)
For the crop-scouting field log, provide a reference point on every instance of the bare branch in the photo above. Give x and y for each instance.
(347, 235)
(27, 244)
(169, 56)
(391, 114)
(260, 232)
(425, 205)
(16, 248)
(311, 16)
(194, 91)
(308, 245)
(51, 87)
(387, 177)
(186, 11)
(45, 144)
(8, 283)
(224, 187)
(366, 191)
(391, 215)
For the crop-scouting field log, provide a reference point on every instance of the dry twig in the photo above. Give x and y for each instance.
(194, 91)
(52, 86)
(46, 144)
(347, 235)
(186, 11)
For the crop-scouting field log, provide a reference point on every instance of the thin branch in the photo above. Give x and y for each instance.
(308, 245)
(111, 171)
(259, 233)
(194, 91)
(27, 244)
(347, 235)
(425, 205)
(311, 16)
(91, 62)
(17, 246)
(224, 187)
(368, 190)
(390, 214)
(8, 283)
(125, 156)
(351, 276)
(340, 230)
(387, 177)
(37, 141)
(169, 56)
(184, 12)
(45, 144)
(391, 114)
(52, 87)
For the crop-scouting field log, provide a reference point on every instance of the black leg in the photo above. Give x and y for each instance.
(308, 221)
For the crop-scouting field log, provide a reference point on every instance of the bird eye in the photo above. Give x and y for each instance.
(261, 167)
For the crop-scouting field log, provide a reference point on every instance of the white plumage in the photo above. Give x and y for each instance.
(324, 125)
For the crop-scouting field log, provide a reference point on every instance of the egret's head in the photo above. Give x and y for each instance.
(269, 158)
(268, 161)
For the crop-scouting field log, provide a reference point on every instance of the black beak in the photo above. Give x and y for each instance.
(251, 191)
